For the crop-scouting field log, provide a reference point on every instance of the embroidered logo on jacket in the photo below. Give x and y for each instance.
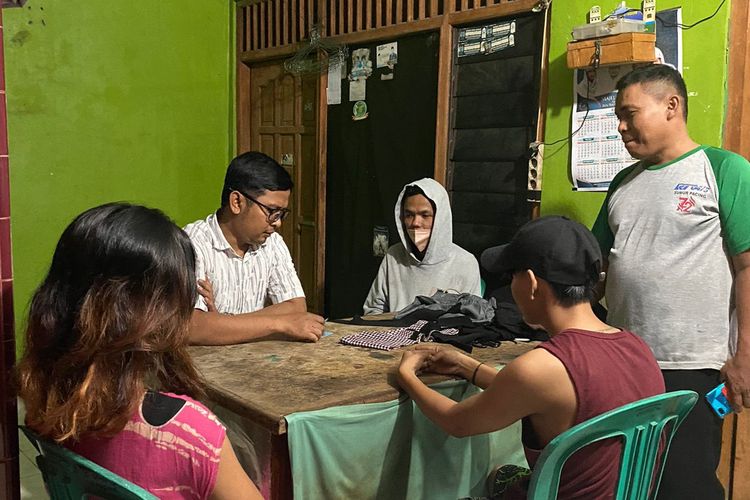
(685, 204)
(686, 195)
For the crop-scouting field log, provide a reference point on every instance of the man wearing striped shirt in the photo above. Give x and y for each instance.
(249, 289)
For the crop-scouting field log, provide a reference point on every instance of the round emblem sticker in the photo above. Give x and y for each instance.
(359, 112)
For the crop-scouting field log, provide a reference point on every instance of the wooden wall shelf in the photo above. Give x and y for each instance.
(625, 48)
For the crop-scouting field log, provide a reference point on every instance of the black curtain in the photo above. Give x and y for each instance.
(369, 162)
(494, 118)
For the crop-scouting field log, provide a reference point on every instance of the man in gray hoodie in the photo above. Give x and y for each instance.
(426, 259)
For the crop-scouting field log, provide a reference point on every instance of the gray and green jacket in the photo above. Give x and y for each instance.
(669, 232)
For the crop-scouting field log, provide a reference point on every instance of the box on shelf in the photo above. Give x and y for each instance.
(606, 28)
(615, 49)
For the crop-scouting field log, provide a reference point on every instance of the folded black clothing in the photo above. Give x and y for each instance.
(359, 320)
(444, 303)
(508, 319)
(477, 327)
(464, 333)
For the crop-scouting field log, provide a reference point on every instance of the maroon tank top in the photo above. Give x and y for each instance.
(608, 370)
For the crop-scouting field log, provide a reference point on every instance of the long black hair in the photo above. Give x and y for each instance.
(109, 321)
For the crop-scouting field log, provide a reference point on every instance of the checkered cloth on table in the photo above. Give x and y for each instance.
(385, 340)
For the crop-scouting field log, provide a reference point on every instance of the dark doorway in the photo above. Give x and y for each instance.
(369, 161)
(494, 110)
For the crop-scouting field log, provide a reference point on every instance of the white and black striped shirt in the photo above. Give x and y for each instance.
(242, 284)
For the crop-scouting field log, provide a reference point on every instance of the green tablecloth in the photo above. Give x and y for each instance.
(391, 450)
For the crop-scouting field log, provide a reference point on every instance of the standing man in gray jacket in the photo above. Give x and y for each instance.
(676, 232)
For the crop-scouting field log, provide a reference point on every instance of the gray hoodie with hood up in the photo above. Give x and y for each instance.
(445, 266)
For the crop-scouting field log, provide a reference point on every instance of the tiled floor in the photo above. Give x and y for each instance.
(32, 485)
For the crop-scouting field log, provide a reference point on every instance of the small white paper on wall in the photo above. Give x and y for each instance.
(357, 90)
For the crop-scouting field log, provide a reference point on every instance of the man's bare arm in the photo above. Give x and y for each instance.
(288, 320)
(526, 386)
(736, 371)
(298, 305)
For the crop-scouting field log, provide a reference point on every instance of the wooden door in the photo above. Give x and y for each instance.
(494, 116)
(283, 125)
(734, 468)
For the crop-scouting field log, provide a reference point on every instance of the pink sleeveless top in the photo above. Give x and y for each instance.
(173, 451)
(608, 370)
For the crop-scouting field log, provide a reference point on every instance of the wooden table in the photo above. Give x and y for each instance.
(262, 382)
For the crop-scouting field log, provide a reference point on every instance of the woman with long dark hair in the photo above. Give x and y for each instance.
(105, 369)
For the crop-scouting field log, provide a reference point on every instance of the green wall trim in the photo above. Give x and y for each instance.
(704, 68)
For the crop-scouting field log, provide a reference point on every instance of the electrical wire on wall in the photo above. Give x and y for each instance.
(583, 122)
(665, 24)
(597, 53)
(683, 26)
(594, 64)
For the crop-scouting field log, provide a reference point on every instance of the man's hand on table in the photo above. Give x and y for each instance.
(412, 362)
(446, 361)
(437, 359)
(300, 326)
(304, 327)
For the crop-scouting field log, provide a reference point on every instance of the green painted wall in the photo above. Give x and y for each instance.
(704, 69)
(113, 101)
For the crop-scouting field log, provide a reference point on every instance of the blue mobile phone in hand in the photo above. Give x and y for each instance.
(717, 399)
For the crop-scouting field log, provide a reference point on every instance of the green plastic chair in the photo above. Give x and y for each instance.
(69, 476)
(482, 286)
(639, 424)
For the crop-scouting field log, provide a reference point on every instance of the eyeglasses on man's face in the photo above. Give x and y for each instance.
(272, 214)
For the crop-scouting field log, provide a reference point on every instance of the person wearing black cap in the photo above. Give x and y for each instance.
(585, 369)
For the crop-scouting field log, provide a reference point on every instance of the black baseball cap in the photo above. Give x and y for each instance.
(556, 248)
